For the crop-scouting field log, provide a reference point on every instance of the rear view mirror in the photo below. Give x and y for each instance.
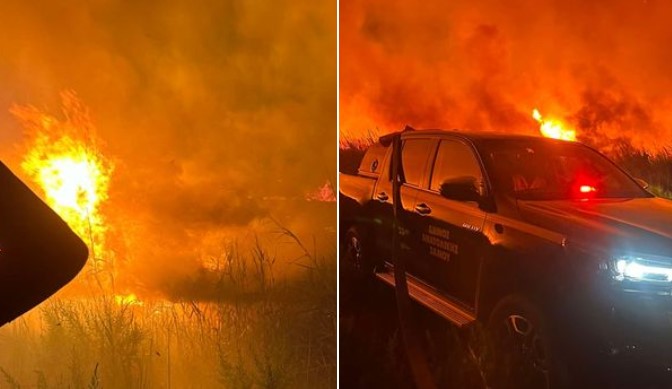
(39, 253)
(461, 189)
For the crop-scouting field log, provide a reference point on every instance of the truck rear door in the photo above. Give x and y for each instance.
(415, 157)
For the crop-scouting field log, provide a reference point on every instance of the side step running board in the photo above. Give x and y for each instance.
(430, 298)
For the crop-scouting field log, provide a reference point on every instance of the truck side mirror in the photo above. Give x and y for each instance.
(461, 189)
(39, 253)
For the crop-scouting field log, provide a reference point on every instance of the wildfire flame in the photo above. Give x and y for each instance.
(552, 128)
(127, 299)
(74, 182)
(63, 161)
(325, 193)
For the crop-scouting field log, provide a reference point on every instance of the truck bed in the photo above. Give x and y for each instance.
(358, 188)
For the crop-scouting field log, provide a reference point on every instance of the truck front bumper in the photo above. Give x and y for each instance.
(632, 333)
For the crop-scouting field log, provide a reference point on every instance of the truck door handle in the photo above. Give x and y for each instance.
(382, 197)
(423, 209)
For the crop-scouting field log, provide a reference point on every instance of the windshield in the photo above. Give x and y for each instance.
(542, 169)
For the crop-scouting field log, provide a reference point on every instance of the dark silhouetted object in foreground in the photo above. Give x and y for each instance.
(39, 253)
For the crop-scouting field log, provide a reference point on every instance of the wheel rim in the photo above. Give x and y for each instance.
(521, 358)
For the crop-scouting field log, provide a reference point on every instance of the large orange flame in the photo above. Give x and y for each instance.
(74, 182)
(72, 174)
(553, 128)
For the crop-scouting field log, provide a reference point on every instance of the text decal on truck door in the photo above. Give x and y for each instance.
(439, 245)
(471, 227)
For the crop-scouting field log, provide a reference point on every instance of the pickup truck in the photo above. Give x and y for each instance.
(563, 258)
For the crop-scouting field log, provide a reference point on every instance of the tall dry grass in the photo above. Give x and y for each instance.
(274, 333)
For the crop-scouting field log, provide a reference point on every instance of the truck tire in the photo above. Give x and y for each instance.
(521, 350)
(357, 251)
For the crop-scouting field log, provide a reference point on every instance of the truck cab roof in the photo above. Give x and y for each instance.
(469, 135)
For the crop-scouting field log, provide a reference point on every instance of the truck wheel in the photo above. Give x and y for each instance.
(356, 251)
(521, 351)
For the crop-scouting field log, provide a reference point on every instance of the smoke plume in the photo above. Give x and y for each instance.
(217, 115)
(601, 67)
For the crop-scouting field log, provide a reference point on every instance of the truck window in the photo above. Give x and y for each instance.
(545, 169)
(414, 155)
(372, 162)
(454, 159)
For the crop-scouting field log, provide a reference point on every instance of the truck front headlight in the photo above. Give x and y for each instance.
(650, 269)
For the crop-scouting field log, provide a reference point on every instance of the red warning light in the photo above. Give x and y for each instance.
(586, 189)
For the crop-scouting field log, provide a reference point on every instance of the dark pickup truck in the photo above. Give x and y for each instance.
(562, 257)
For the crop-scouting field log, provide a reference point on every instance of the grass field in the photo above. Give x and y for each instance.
(273, 333)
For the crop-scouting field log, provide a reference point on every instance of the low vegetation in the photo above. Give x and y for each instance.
(283, 337)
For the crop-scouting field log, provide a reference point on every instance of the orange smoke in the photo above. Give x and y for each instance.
(480, 66)
(205, 111)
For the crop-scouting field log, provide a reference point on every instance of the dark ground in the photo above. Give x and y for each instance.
(371, 348)
(372, 353)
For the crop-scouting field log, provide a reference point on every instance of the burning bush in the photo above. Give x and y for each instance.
(237, 320)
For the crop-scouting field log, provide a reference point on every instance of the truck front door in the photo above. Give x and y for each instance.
(451, 243)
